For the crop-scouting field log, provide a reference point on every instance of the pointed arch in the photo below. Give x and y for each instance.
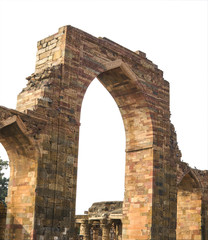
(193, 175)
(101, 148)
(14, 137)
(127, 91)
(23, 156)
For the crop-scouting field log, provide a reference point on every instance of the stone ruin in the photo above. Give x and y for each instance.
(103, 220)
(164, 197)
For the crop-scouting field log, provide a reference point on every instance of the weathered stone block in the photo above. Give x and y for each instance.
(41, 138)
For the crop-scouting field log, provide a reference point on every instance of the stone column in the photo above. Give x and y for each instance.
(113, 229)
(120, 231)
(85, 230)
(105, 230)
(116, 231)
(95, 230)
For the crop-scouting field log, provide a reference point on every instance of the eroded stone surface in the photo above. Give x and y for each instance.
(41, 139)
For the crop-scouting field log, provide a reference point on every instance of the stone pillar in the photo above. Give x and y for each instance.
(105, 230)
(95, 230)
(116, 231)
(112, 231)
(120, 231)
(85, 230)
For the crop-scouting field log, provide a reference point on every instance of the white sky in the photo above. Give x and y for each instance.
(173, 34)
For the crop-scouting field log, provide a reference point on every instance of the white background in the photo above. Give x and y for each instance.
(173, 34)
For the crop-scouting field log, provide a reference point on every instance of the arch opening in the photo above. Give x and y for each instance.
(3, 208)
(129, 96)
(101, 165)
(4, 157)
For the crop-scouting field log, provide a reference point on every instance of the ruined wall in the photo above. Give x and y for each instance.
(50, 52)
(142, 95)
(103, 221)
(45, 133)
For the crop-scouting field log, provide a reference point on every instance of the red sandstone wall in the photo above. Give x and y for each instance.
(188, 210)
(67, 62)
(192, 188)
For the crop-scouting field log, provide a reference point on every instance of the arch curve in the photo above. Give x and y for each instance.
(125, 89)
(15, 139)
(193, 175)
(23, 155)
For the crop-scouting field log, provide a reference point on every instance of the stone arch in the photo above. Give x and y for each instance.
(190, 172)
(104, 149)
(189, 207)
(66, 64)
(23, 157)
(128, 93)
